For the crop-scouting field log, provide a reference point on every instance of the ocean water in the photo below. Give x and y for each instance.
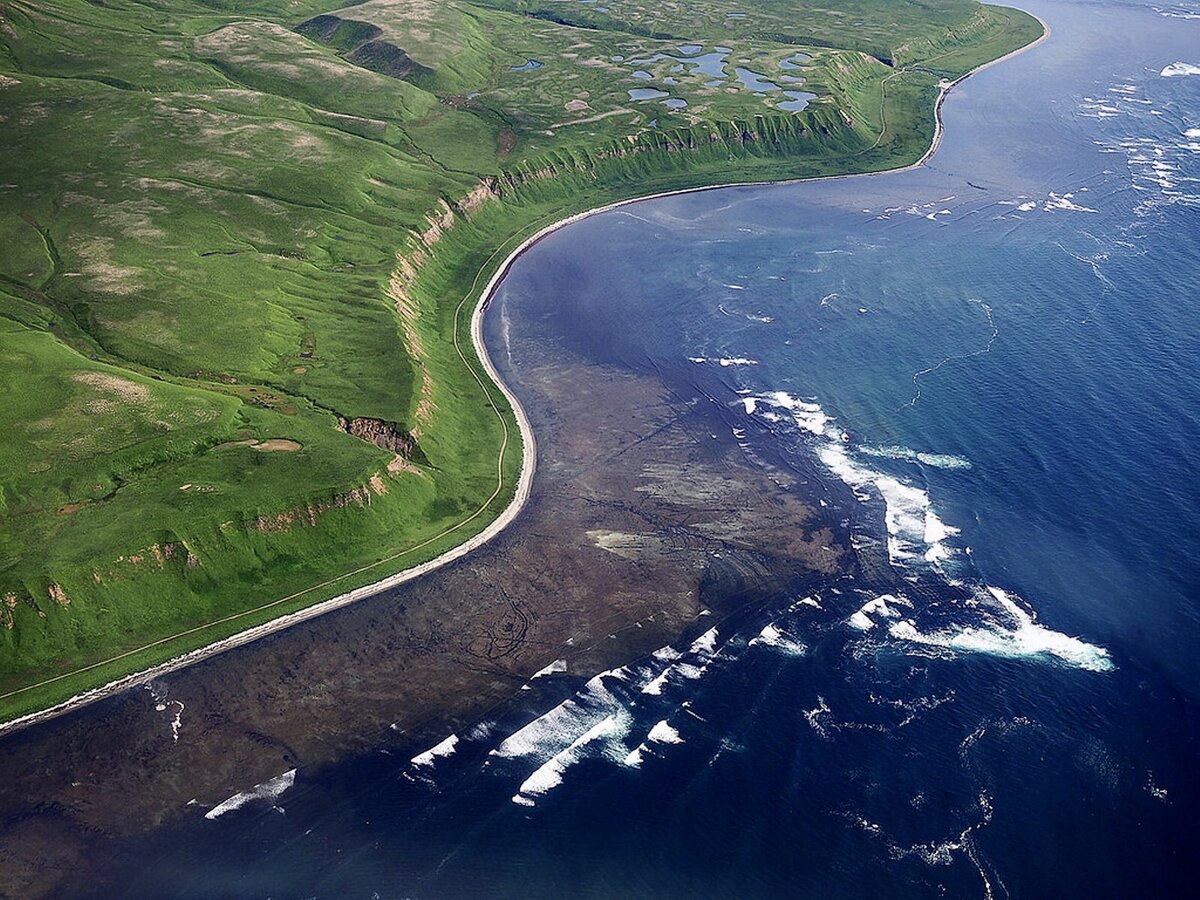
(987, 367)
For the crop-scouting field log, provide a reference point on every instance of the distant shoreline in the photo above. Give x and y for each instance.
(528, 440)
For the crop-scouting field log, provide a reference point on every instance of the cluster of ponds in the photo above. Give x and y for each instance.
(714, 65)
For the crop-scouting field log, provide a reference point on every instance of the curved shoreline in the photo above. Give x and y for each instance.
(528, 446)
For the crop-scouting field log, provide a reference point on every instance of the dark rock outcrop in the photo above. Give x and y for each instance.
(385, 435)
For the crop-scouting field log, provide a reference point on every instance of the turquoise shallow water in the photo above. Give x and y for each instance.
(987, 367)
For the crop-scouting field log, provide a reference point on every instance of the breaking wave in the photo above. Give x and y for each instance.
(872, 611)
(555, 668)
(663, 733)
(564, 735)
(918, 539)
(270, 790)
(595, 722)
(774, 637)
(1180, 68)
(1013, 633)
(550, 774)
(445, 748)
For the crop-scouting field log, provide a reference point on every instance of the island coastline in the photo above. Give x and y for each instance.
(528, 443)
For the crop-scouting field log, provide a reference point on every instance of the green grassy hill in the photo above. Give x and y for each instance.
(235, 242)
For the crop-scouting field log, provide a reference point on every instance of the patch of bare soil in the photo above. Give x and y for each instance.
(284, 445)
(130, 391)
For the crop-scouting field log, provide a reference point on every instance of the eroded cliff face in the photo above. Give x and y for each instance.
(283, 522)
(497, 207)
(698, 147)
(385, 435)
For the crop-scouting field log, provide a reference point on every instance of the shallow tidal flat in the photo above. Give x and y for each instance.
(647, 524)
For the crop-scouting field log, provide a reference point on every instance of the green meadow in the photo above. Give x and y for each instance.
(233, 232)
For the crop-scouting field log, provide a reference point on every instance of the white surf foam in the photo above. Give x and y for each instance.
(550, 774)
(1066, 201)
(480, 731)
(1180, 68)
(1158, 793)
(705, 644)
(559, 665)
(768, 635)
(699, 653)
(916, 532)
(552, 731)
(1181, 10)
(878, 608)
(662, 733)
(561, 737)
(542, 734)
(1020, 637)
(772, 636)
(158, 691)
(444, 748)
(655, 687)
(270, 790)
(689, 671)
(807, 414)
(818, 717)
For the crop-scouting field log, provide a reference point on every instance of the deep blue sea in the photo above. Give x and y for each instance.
(990, 366)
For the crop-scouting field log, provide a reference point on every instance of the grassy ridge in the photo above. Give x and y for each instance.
(203, 205)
